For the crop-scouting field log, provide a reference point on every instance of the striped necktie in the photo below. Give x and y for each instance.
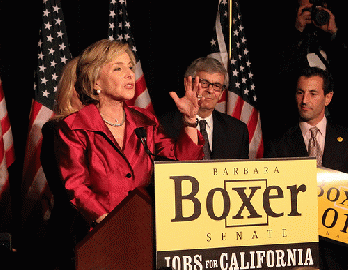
(206, 147)
(314, 147)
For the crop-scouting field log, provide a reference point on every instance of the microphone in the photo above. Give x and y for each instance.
(141, 134)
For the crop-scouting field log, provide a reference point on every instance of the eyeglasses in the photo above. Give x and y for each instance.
(217, 87)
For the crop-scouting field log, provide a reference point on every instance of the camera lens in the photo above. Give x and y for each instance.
(320, 16)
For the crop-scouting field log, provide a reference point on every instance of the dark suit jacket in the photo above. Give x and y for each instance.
(230, 135)
(335, 155)
(66, 226)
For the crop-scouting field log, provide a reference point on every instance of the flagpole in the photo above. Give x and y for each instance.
(230, 29)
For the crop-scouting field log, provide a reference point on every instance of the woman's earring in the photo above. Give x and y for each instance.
(98, 91)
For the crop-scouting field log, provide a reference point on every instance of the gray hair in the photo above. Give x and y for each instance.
(207, 64)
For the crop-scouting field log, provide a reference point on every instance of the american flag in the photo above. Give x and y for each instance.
(240, 100)
(7, 153)
(120, 29)
(53, 54)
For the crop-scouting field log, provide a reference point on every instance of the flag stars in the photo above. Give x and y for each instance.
(60, 34)
(42, 68)
(52, 54)
(50, 38)
(112, 14)
(56, 8)
(48, 26)
(62, 46)
(46, 12)
(44, 80)
(63, 59)
(58, 21)
(45, 93)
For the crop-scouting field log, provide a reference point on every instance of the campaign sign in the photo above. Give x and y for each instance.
(237, 214)
(333, 204)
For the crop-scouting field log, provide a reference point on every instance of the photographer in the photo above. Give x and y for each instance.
(323, 17)
(318, 40)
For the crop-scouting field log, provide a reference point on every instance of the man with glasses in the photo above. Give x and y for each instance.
(226, 137)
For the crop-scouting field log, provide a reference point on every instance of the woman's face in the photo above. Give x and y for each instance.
(116, 80)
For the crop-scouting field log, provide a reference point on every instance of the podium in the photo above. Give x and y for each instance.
(123, 240)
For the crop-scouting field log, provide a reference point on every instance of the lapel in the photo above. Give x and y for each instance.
(221, 138)
(217, 130)
(89, 118)
(297, 144)
(134, 120)
(331, 144)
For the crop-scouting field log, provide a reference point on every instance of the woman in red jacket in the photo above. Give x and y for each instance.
(99, 156)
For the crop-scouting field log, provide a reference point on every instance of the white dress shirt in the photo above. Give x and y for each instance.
(320, 136)
(209, 128)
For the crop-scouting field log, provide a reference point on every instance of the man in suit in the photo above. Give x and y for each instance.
(227, 137)
(313, 93)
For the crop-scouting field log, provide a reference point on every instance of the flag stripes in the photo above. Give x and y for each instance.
(53, 54)
(241, 101)
(120, 29)
(7, 153)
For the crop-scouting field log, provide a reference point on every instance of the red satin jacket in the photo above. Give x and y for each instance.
(99, 174)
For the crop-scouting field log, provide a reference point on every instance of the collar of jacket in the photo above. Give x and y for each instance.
(89, 118)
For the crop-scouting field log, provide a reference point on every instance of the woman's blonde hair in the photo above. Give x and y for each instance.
(67, 100)
(91, 61)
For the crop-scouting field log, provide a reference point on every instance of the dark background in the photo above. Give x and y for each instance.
(169, 35)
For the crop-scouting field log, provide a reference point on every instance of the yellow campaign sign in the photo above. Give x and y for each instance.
(236, 214)
(333, 204)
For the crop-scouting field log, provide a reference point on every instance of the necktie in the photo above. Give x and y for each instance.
(313, 147)
(206, 147)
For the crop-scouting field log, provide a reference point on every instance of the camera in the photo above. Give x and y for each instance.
(319, 16)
